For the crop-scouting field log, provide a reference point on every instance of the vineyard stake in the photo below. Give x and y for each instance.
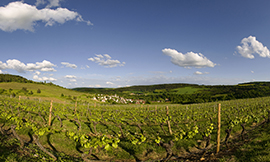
(75, 107)
(168, 120)
(218, 130)
(19, 100)
(50, 115)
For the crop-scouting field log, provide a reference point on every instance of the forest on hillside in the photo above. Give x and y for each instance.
(203, 93)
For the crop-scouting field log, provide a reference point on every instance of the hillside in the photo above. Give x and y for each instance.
(173, 93)
(18, 86)
(187, 93)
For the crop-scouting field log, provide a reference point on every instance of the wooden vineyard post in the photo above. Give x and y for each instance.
(75, 107)
(218, 130)
(19, 100)
(50, 115)
(95, 105)
(168, 120)
(167, 110)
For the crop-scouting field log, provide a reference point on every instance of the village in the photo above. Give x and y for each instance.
(116, 99)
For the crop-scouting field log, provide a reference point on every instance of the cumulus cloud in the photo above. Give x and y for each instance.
(19, 15)
(69, 65)
(21, 67)
(200, 73)
(70, 76)
(37, 73)
(251, 46)
(189, 59)
(36, 77)
(105, 60)
(40, 2)
(53, 3)
(109, 83)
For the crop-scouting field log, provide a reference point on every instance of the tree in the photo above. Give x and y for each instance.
(148, 102)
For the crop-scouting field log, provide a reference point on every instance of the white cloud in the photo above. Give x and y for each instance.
(251, 46)
(189, 59)
(21, 67)
(70, 76)
(106, 61)
(40, 2)
(19, 15)
(200, 73)
(252, 71)
(37, 73)
(53, 3)
(69, 65)
(109, 83)
(1, 72)
(35, 77)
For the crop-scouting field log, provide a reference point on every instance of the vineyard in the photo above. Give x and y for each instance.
(96, 132)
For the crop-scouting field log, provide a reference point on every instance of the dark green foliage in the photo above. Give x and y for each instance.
(13, 78)
(201, 93)
(19, 79)
(38, 91)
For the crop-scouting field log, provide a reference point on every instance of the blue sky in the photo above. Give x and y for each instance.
(104, 43)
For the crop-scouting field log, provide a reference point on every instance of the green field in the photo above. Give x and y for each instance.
(48, 92)
(187, 90)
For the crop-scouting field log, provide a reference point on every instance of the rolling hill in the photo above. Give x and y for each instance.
(173, 93)
(18, 86)
(187, 93)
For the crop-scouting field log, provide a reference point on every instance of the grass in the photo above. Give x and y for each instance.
(48, 92)
(186, 90)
